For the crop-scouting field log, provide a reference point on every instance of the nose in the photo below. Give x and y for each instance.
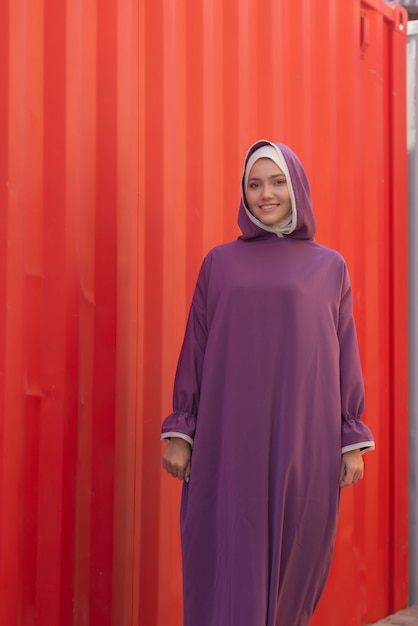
(267, 191)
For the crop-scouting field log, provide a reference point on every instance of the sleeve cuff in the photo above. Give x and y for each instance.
(364, 446)
(179, 435)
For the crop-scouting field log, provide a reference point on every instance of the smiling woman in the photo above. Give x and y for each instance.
(268, 190)
(268, 399)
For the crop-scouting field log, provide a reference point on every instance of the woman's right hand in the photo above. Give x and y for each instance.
(177, 458)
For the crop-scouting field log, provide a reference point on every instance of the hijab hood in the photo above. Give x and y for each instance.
(303, 224)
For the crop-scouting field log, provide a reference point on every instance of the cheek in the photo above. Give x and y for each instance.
(251, 198)
(286, 197)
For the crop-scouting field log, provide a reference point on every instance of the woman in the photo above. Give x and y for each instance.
(268, 398)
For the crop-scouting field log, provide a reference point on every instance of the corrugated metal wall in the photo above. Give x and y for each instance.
(123, 128)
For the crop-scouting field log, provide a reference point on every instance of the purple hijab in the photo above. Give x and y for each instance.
(269, 392)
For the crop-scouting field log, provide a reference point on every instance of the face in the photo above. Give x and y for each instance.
(267, 194)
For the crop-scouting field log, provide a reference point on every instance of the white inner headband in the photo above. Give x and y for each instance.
(266, 152)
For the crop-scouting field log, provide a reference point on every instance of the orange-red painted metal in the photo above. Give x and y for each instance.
(124, 126)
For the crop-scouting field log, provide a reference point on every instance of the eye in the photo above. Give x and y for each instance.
(253, 185)
(280, 181)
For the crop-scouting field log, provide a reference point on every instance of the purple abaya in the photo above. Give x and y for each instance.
(270, 391)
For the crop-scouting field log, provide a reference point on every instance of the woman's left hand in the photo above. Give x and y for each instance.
(352, 468)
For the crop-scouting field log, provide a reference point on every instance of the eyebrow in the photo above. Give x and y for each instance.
(270, 177)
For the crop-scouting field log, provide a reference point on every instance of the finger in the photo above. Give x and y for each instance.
(184, 473)
(346, 482)
(167, 465)
(357, 474)
(177, 470)
(170, 468)
(347, 479)
(178, 465)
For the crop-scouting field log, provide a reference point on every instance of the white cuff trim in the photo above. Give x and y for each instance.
(179, 435)
(369, 445)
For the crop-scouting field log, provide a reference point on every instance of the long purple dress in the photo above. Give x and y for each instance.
(269, 390)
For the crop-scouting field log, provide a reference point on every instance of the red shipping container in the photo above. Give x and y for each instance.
(124, 126)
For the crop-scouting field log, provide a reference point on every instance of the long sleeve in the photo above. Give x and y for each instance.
(182, 421)
(354, 433)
